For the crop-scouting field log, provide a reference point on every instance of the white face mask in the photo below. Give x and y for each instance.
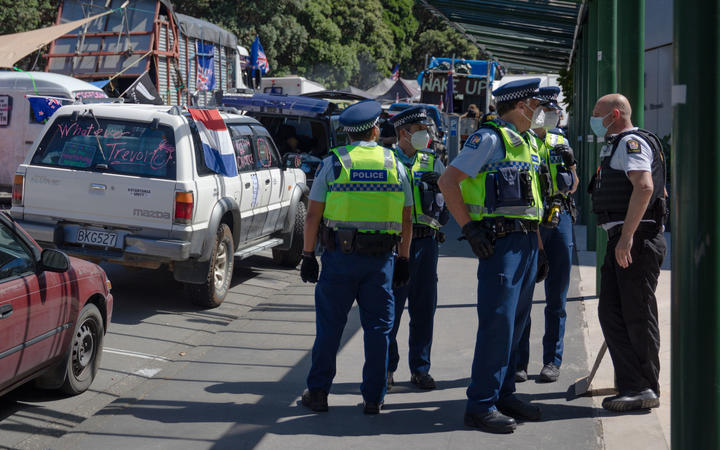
(538, 118)
(551, 119)
(419, 139)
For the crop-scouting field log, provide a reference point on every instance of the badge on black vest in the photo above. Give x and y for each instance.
(633, 146)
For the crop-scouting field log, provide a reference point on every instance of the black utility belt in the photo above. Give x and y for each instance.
(502, 227)
(350, 240)
(643, 227)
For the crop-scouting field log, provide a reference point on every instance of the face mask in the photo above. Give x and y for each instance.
(419, 139)
(551, 119)
(538, 118)
(596, 123)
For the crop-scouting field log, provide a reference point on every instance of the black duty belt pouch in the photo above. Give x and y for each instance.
(375, 244)
(564, 179)
(545, 180)
(345, 238)
(327, 237)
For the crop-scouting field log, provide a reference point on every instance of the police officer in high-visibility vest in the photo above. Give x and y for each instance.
(629, 198)
(361, 205)
(429, 214)
(555, 256)
(492, 189)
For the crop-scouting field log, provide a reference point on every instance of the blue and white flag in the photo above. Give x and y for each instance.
(205, 67)
(215, 137)
(257, 57)
(44, 107)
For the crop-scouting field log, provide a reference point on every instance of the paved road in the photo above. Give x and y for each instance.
(231, 377)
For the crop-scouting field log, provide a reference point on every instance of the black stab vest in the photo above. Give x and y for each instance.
(611, 189)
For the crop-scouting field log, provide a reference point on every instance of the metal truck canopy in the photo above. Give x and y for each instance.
(205, 31)
(520, 34)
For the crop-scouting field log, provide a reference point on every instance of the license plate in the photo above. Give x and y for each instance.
(97, 238)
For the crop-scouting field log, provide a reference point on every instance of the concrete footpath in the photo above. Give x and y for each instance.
(241, 388)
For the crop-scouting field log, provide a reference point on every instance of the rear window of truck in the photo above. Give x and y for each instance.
(109, 145)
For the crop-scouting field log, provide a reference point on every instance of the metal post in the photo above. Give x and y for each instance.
(606, 84)
(696, 218)
(631, 56)
(590, 162)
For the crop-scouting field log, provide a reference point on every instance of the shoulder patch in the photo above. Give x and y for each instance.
(633, 146)
(473, 141)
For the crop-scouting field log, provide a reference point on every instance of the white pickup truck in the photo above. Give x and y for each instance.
(129, 184)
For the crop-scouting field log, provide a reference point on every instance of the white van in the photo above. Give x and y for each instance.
(290, 85)
(18, 128)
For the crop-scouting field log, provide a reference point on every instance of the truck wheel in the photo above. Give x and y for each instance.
(292, 256)
(212, 292)
(85, 351)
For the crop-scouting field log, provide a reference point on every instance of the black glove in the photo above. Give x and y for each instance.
(543, 267)
(401, 274)
(567, 154)
(480, 237)
(309, 269)
(430, 178)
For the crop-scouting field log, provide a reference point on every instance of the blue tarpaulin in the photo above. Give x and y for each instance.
(478, 68)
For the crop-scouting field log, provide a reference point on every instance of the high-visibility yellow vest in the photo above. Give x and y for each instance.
(367, 195)
(518, 155)
(424, 162)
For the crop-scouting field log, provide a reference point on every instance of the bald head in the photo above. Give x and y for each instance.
(616, 111)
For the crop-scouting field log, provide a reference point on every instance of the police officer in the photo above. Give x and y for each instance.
(492, 190)
(363, 198)
(628, 196)
(556, 238)
(429, 214)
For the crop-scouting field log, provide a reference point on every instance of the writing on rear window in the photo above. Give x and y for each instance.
(109, 145)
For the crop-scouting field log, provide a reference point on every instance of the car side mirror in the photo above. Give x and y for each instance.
(292, 161)
(54, 261)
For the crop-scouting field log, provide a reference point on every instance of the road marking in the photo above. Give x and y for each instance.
(147, 373)
(134, 354)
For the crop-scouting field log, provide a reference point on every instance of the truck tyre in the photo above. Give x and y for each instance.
(85, 350)
(292, 256)
(212, 292)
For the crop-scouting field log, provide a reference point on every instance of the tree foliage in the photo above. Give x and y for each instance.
(337, 43)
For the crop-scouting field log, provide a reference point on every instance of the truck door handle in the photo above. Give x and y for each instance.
(267, 181)
(247, 185)
(98, 187)
(5, 311)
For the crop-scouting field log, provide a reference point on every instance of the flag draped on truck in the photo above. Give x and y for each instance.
(217, 145)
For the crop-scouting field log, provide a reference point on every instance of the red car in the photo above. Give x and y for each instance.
(54, 311)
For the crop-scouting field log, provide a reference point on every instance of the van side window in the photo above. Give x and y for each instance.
(241, 136)
(267, 155)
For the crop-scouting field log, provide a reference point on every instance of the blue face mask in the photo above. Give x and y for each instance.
(596, 123)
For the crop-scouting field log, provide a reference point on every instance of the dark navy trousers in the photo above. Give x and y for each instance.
(503, 306)
(421, 296)
(558, 244)
(344, 279)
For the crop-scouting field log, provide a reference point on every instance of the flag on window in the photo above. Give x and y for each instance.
(217, 145)
(396, 72)
(44, 107)
(205, 67)
(258, 59)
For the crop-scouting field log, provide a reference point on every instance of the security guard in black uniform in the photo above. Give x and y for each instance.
(628, 195)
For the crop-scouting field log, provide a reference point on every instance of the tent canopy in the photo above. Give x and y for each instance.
(401, 89)
(14, 47)
(520, 34)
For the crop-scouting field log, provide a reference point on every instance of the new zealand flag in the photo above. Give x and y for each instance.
(205, 67)
(44, 107)
(257, 57)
